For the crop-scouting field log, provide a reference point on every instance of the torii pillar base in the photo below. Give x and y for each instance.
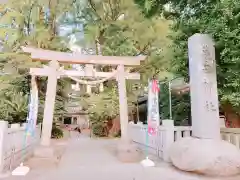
(128, 152)
(44, 152)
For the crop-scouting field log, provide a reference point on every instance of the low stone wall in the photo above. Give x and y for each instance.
(167, 134)
(231, 135)
(15, 147)
(159, 143)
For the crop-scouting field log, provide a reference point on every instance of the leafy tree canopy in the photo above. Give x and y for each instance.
(24, 23)
(218, 18)
(119, 28)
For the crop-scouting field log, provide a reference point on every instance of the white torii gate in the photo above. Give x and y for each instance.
(53, 72)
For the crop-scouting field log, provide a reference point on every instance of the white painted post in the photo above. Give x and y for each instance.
(101, 87)
(178, 135)
(236, 140)
(186, 133)
(3, 133)
(123, 105)
(89, 69)
(89, 89)
(49, 104)
(34, 91)
(168, 138)
(170, 99)
(222, 122)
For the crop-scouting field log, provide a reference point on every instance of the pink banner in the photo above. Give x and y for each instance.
(153, 107)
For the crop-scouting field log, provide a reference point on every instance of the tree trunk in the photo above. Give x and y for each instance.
(115, 126)
(232, 118)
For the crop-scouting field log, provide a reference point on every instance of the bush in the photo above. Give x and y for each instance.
(57, 133)
(99, 130)
(117, 135)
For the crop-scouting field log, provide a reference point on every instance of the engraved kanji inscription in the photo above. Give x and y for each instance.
(208, 60)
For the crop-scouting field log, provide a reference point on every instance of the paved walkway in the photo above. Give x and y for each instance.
(94, 159)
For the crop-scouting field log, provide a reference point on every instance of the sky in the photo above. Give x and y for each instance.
(65, 30)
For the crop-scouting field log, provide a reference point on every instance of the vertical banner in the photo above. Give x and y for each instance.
(32, 111)
(153, 106)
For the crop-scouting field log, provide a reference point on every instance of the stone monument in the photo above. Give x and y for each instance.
(204, 152)
(203, 85)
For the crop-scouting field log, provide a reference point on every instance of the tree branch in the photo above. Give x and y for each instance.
(143, 49)
(111, 8)
(93, 7)
(29, 18)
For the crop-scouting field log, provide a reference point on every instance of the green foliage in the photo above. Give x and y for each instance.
(99, 119)
(151, 7)
(121, 30)
(102, 108)
(13, 107)
(180, 105)
(99, 129)
(57, 133)
(220, 19)
(36, 23)
(118, 28)
(104, 104)
(31, 23)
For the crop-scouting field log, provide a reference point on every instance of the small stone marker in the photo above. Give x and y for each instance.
(203, 87)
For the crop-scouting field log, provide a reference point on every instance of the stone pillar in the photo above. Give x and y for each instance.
(89, 89)
(3, 133)
(34, 91)
(222, 122)
(62, 119)
(127, 151)
(49, 104)
(101, 87)
(203, 87)
(78, 120)
(89, 72)
(204, 153)
(123, 106)
(168, 139)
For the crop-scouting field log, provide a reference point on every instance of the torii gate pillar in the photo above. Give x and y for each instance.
(49, 104)
(126, 151)
(123, 106)
(45, 151)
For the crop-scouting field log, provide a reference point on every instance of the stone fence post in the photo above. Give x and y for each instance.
(168, 137)
(3, 133)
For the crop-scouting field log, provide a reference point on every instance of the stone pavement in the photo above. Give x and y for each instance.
(94, 159)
